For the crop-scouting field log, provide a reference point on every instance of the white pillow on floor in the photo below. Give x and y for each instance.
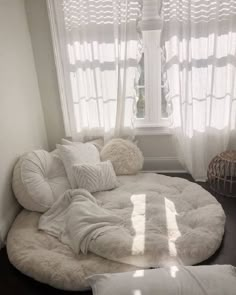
(95, 177)
(184, 280)
(80, 153)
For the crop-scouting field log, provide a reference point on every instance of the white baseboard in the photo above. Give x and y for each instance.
(163, 164)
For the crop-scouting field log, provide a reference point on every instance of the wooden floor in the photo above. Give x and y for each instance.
(12, 282)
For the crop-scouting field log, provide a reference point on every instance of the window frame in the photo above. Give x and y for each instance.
(153, 84)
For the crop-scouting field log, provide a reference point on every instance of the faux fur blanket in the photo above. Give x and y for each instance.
(149, 220)
(76, 219)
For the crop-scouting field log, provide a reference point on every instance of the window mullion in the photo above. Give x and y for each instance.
(147, 77)
(152, 54)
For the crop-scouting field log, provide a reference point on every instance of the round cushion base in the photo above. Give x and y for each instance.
(181, 217)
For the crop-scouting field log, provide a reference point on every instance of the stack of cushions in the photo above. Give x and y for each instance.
(85, 169)
(40, 178)
(83, 153)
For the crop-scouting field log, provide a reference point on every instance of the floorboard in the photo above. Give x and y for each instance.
(12, 282)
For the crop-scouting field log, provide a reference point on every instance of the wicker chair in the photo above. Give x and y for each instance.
(222, 174)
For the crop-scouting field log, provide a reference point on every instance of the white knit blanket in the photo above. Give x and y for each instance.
(76, 219)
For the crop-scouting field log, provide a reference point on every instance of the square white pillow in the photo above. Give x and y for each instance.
(99, 142)
(184, 280)
(95, 177)
(77, 154)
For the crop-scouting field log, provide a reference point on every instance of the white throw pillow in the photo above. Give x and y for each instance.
(98, 143)
(95, 178)
(194, 280)
(125, 156)
(80, 153)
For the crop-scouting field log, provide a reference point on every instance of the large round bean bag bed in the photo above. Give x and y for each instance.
(167, 221)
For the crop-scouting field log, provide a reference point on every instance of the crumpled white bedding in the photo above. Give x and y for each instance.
(149, 220)
(47, 260)
(76, 219)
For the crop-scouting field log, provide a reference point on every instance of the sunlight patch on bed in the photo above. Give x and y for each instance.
(138, 219)
(173, 271)
(173, 232)
(138, 273)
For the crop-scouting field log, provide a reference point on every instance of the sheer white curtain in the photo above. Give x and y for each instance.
(98, 48)
(200, 48)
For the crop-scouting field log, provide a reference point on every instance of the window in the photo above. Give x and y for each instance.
(150, 93)
(96, 49)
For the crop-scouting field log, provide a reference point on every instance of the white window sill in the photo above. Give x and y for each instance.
(153, 130)
(148, 128)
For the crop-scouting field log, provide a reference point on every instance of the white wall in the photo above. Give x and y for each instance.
(22, 125)
(159, 153)
(45, 66)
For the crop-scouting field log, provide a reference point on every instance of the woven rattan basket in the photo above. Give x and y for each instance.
(222, 174)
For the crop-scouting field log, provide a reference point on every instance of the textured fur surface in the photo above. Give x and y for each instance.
(175, 221)
(125, 156)
(45, 259)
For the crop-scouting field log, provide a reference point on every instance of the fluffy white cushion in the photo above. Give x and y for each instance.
(125, 156)
(77, 154)
(95, 177)
(39, 178)
(194, 280)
